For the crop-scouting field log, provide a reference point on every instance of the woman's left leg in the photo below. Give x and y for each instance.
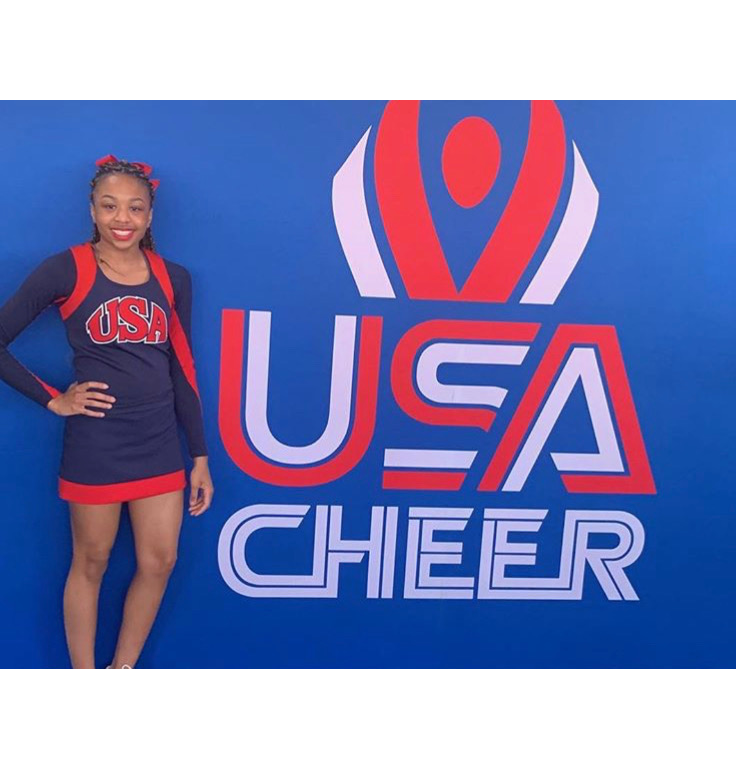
(156, 523)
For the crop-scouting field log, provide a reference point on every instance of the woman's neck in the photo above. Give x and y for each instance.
(124, 257)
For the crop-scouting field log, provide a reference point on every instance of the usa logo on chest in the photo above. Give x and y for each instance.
(128, 319)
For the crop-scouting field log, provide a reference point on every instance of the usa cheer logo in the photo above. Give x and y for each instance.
(511, 268)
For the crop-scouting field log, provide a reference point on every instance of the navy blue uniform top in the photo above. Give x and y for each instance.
(134, 338)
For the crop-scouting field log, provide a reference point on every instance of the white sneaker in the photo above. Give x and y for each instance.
(125, 666)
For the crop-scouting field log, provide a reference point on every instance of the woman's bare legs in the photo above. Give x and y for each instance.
(156, 523)
(94, 528)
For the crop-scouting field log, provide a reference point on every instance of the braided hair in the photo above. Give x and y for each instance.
(122, 167)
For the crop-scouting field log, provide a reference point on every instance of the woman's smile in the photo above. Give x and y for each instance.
(122, 234)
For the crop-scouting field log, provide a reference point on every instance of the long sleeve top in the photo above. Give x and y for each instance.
(135, 338)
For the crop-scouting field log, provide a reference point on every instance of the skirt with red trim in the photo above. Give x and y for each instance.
(134, 451)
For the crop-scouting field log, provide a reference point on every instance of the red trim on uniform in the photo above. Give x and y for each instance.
(180, 344)
(122, 491)
(52, 391)
(158, 267)
(177, 336)
(84, 260)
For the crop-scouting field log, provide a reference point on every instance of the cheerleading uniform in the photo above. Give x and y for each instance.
(137, 340)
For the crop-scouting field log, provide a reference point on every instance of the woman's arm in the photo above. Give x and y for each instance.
(183, 375)
(51, 281)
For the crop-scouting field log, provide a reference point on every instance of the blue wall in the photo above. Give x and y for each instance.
(245, 204)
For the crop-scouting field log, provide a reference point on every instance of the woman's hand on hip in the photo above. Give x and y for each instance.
(78, 397)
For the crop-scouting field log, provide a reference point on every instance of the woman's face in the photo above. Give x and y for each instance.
(121, 210)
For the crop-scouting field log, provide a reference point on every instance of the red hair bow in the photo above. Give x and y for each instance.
(144, 167)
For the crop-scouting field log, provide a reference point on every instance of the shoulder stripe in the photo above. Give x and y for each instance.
(158, 267)
(84, 260)
(177, 336)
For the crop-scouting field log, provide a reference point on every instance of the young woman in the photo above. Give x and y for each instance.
(127, 314)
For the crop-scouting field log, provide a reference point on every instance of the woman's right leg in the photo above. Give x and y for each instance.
(94, 528)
